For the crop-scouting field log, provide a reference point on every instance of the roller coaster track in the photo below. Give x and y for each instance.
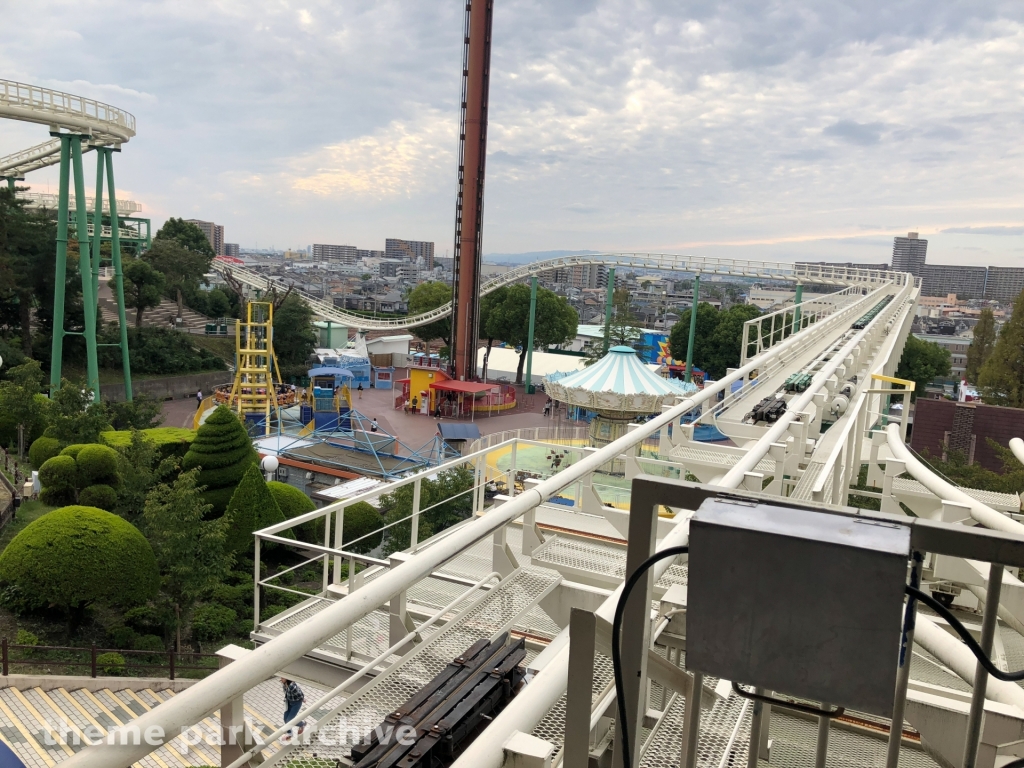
(761, 270)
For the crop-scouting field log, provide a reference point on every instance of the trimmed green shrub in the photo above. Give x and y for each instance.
(252, 507)
(97, 464)
(224, 451)
(123, 637)
(100, 496)
(73, 450)
(293, 503)
(110, 663)
(361, 519)
(169, 441)
(212, 622)
(75, 556)
(151, 643)
(43, 449)
(26, 638)
(59, 477)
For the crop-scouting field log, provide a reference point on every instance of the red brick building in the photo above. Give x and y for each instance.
(941, 425)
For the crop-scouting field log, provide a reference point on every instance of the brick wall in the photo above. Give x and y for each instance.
(965, 425)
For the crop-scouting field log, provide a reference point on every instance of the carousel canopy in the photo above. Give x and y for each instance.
(619, 382)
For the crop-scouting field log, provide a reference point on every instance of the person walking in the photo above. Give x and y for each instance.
(199, 399)
(373, 424)
(293, 698)
(359, 389)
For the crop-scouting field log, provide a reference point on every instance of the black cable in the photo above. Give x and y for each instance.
(954, 622)
(621, 728)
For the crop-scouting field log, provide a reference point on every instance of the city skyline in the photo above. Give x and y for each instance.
(725, 131)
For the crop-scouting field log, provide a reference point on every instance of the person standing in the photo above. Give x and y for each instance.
(199, 399)
(293, 698)
(359, 389)
(373, 424)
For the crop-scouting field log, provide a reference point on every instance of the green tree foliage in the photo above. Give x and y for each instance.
(718, 337)
(224, 451)
(141, 464)
(679, 336)
(97, 464)
(212, 622)
(142, 412)
(425, 297)
(361, 520)
(74, 417)
(622, 330)
(1002, 376)
(956, 469)
(20, 403)
(80, 468)
(982, 345)
(158, 351)
(445, 501)
(42, 449)
(27, 240)
(183, 269)
(922, 362)
(294, 339)
(555, 321)
(252, 507)
(293, 503)
(60, 481)
(487, 305)
(187, 235)
(143, 287)
(76, 556)
(190, 550)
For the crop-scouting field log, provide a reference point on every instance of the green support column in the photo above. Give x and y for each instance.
(796, 306)
(608, 301)
(85, 267)
(115, 254)
(97, 225)
(693, 328)
(529, 336)
(10, 183)
(60, 267)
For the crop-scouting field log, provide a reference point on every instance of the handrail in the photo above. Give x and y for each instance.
(671, 262)
(35, 104)
(1017, 446)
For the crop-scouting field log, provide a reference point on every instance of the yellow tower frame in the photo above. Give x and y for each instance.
(255, 390)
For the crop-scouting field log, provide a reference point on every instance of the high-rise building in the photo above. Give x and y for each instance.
(363, 253)
(346, 254)
(231, 249)
(410, 250)
(1004, 283)
(214, 233)
(908, 254)
(943, 279)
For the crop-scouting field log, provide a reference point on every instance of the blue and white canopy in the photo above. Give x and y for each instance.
(620, 382)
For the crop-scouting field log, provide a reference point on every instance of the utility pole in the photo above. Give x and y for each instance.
(693, 328)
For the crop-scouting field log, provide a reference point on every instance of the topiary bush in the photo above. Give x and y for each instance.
(293, 503)
(100, 496)
(169, 441)
(43, 449)
(76, 556)
(361, 519)
(73, 450)
(97, 464)
(110, 663)
(59, 477)
(212, 622)
(251, 508)
(224, 451)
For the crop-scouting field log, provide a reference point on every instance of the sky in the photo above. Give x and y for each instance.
(760, 129)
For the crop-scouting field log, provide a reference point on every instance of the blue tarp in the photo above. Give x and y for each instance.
(454, 431)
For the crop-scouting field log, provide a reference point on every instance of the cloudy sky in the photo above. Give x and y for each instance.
(743, 128)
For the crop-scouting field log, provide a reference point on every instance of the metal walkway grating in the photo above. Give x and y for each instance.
(590, 559)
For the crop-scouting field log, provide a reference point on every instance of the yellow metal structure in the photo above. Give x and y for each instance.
(255, 387)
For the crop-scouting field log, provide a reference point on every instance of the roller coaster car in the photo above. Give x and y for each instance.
(769, 410)
(447, 712)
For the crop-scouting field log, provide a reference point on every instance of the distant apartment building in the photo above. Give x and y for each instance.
(389, 267)
(362, 253)
(943, 279)
(909, 253)
(409, 250)
(345, 254)
(231, 249)
(291, 255)
(1004, 283)
(580, 276)
(214, 233)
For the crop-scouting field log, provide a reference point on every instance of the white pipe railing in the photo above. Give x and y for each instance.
(1017, 446)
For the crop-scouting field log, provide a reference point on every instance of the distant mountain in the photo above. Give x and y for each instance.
(526, 258)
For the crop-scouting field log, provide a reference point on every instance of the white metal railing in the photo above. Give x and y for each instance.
(667, 262)
(48, 200)
(17, 164)
(32, 103)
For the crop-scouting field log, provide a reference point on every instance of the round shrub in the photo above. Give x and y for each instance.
(212, 622)
(123, 637)
(97, 464)
(293, 503)
(73, 450)
(99, 496)
(361, 519)
(42, 450)
(75, 556)
(110, 663)
(224, 451)
(252, 508)
(59, 472)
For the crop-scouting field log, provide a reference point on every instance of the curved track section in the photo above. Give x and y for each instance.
(763, 270)
(105, 125)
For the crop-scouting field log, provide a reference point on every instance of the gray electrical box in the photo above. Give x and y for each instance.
(797, 601)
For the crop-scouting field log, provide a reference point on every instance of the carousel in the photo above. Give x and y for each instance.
(619, 388)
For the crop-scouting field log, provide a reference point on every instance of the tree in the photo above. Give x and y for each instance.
(446, 501)
(922, 362)
(621, 328)
(703, 347)
(252, 508)
(183, 269)
(190, 550)
(1002, 376)
(555, 321)
(143, 287)
(294, 503)
(487, 305)
(139, 467)
(19, 401)
(361, 520)
(294, 339)
(74, 416)
(425, 297)
(982, 345)
(223, 450)
(727, 339)
(187, 235)
(76, 556)
(143, 412)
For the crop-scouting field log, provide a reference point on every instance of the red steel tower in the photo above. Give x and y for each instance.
(469, 209)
